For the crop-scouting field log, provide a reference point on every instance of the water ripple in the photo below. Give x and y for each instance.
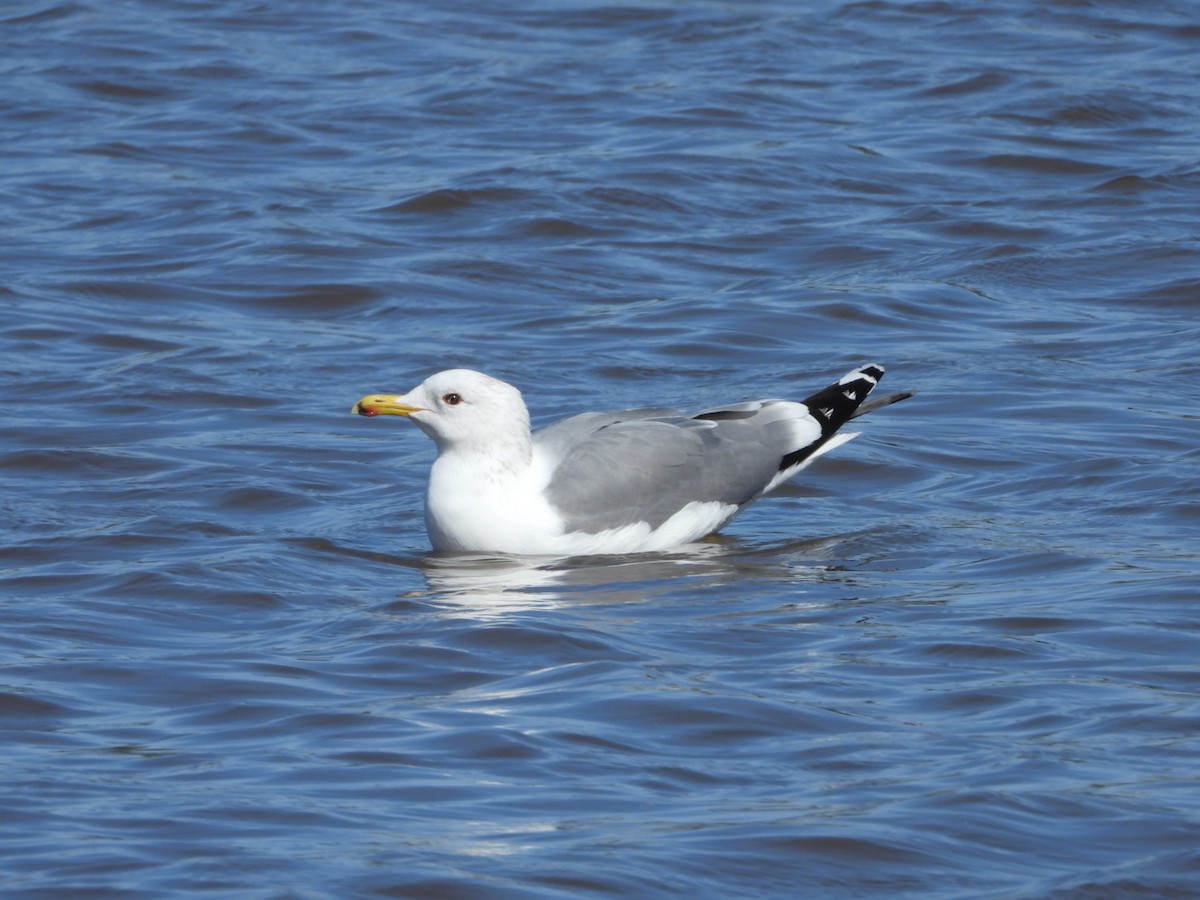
(956, 659)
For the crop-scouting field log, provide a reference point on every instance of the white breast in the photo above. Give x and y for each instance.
(474, 509)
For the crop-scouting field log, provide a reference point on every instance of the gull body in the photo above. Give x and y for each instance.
(624, 481)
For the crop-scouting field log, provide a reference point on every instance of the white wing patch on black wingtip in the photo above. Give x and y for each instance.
(871, 372)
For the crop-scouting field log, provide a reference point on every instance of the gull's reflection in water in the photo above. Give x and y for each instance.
(477, 584)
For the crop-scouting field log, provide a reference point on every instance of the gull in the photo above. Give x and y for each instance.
(617, 482)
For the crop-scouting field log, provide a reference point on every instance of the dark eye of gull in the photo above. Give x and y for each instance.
(452, 399)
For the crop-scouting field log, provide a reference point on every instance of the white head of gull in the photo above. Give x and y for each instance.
(625, 481)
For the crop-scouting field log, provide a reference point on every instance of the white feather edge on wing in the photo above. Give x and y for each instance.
(834, 442)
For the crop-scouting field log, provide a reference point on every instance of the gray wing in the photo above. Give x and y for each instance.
(645, 465)
(559, 438)
(642, 466)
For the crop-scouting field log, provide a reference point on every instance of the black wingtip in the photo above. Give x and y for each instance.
(837, 404)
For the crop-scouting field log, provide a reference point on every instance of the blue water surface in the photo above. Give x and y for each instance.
(957, 658)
